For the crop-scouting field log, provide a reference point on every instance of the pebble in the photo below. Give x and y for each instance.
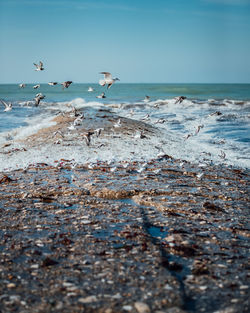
(88, 299)
(11, 285)
(142, 307)
(127, 308)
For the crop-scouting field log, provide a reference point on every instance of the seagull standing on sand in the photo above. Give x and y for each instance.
(101, 96)
(108, 80)
(66, 84)
(39, 67)
(8, 106)
(38, 98)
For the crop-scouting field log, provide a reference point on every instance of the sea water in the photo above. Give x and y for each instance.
(213, 120)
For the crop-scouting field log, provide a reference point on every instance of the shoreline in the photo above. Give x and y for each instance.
(132, 140)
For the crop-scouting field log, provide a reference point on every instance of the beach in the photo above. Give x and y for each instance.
(131, 228)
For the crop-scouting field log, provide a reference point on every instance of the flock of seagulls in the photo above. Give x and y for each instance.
(108, 81)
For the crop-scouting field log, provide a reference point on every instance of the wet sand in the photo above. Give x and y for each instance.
(161, 236)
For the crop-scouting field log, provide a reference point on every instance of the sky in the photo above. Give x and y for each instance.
(139, 41)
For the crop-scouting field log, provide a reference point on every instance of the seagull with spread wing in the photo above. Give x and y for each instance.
(66, 84)
(108, 80)
(8, 106)
(39, 67)
(38, 98)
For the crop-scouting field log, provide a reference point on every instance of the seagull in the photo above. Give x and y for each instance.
(36, 86)
(71, 127)
(102, 95)
(139, 135)
(78, 120)
(8, 106)
(188, 136)
(66, 84)
(108, 80)
(98, 131)
(58, 132)
(52, 83)
(217, 113)
(131, 112)
(38, 98)
(118, 124)
(222, 154)
(39, 67)
(179, 99)
(87, 137)
(146, 117)
(90, 89)
(198, 129)
(160, 121)
(22, 85)
(146, 99)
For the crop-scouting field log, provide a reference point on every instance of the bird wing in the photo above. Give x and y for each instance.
(107, 75)
(37, 99)
(4, 103)
(102, 82)
(36, 65)
(41, 64)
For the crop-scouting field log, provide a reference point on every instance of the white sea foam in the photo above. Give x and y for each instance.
(181, 120)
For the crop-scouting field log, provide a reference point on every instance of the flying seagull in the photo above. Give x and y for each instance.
(66, 84)
(90, 89)
(102, 95)
(87, 137)
(39, 67)
(8, 106)
(108, 80)
(52, 83)
(22, 85)
(38, 98)
(146, 99)
(179, 99)
(36, 86)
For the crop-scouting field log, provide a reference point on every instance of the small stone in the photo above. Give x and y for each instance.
(242, 287)
(88, 299)
(48, 262)
(127, 308)
(11, 285)
(142, 307)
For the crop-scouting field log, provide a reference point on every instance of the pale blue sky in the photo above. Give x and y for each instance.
(168, 41)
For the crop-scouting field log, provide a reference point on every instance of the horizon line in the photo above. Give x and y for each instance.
(146, 83)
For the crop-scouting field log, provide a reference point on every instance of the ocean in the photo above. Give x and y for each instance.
(212, 123)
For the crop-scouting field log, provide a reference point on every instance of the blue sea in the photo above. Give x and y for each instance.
(214, 119)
